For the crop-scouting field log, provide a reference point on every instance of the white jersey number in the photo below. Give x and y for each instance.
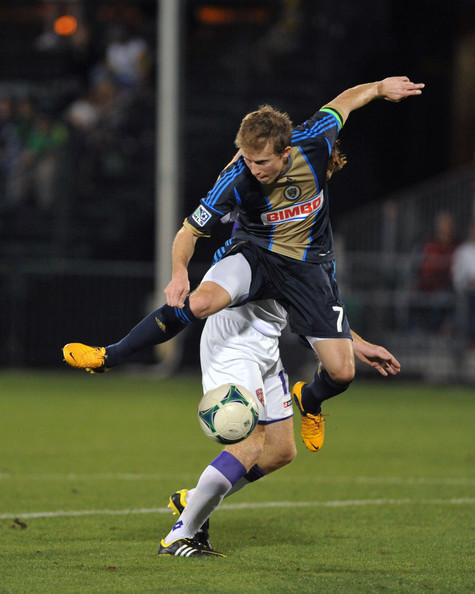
(339, 309)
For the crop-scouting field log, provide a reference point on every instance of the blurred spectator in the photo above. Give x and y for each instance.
(126, 61)
(48, 39)
(34, 179)
(463, 275)
(437, 254)
(434, 277)
(97, 109)
(281, 39)
(26, 112)
(9, 149)
(95, 121)
(83, 112)
(19, 114)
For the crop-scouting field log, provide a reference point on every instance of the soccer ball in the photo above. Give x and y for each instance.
(228, 414)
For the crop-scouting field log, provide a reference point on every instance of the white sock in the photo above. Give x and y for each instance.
(215, 481)
(206, 497)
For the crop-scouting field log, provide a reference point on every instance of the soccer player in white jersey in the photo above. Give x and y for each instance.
(241, 345)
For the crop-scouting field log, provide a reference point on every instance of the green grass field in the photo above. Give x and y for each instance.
(87, 464)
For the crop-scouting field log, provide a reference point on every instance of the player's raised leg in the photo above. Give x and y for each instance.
(226, 282)
(159, 326)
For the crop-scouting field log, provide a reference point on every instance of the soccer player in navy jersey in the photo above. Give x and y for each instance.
(283, 249)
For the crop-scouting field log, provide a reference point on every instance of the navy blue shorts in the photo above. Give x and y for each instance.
(308, 291)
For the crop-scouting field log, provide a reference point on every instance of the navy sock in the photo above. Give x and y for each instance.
(322, 388)
(255, 473)
(159, 326)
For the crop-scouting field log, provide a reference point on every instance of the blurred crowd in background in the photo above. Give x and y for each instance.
(82, 132)
(78, 112)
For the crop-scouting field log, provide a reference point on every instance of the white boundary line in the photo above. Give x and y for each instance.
(238, 506)
(72, 476)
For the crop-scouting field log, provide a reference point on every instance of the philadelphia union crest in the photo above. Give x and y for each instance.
(292, 192)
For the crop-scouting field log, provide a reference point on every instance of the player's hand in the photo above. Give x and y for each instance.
(377, 357)
(177, 290)
(397, 88)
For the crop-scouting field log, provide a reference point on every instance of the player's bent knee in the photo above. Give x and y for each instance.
(344, 377)
(345, 374)
(208, 299)
(283, 457)
(288, 455)
(200, 308)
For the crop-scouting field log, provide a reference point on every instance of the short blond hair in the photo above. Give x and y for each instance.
(262, 126)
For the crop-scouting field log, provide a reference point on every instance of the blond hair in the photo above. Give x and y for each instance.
(262, 126)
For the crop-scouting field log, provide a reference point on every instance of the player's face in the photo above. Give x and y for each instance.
(265, 165)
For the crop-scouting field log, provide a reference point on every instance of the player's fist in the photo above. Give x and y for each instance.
(177, 290)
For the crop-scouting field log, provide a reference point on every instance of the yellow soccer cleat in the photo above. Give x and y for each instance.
(177, 503)
(81, 356)
(312, 428)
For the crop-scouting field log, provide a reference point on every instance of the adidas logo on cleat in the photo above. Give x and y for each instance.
(187, 547)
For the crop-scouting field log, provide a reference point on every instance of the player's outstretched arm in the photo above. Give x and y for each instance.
(393, 88)
(182, 251)
(375, 356)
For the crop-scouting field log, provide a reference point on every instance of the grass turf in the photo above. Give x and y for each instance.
(386, 506)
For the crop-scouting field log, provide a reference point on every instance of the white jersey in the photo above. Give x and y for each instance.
(241, 345)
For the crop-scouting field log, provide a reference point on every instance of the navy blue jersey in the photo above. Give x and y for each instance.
(290, 216)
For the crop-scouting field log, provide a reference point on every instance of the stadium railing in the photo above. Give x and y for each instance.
(377, 255)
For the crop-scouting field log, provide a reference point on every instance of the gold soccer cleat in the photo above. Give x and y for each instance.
(81, 356)
(312, 428)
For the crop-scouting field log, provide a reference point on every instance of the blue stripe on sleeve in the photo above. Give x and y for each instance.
(319, 127)
(223, 182)
(336, 113)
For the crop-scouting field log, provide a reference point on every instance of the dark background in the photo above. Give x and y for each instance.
(294, 54)
(92, 251)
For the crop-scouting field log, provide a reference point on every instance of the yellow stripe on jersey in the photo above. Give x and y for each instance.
(194, 230)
